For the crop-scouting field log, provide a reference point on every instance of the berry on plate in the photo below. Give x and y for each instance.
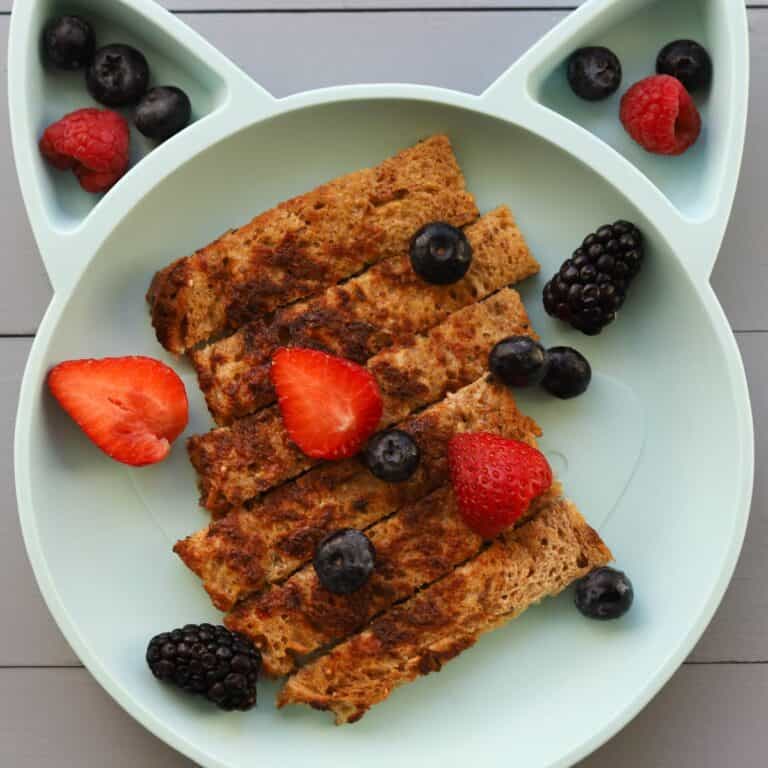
(659, 114)
(118, 75)
(68, 42)
(440, 253)
(569, 373)
(592, 285)
(208, 661)
(495, 479)
(163, 112)
(330, 406)
(604, 594)
(133, 408)
(392, 455)
(518, 361)
(344, 561)
(93, 143)
(688, 61)
(594, 73)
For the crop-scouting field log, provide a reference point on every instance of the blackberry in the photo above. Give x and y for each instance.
(592, 285)
(209, 661)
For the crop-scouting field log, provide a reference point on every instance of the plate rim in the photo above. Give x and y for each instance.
(29, 399)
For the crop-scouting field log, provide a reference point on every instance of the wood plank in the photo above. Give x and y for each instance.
(738, 632)
(56, 718)
(30, 635)
(24, 289)
(257, 42)
(742, 268)
(61, 717)
(708, 716)
(283, 6)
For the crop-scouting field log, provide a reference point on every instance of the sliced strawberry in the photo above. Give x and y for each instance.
(330, 406)
(495, 479)
(133, 408)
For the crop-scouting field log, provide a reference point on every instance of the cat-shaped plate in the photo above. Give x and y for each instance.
(658, 453)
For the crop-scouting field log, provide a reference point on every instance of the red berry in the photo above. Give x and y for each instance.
(330, 406)
(495, 479)
(93, 143)
(133, 408)
(659, 114)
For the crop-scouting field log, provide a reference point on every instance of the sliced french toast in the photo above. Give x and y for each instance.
(254, 546)
(419, 544)
(308, 243)
(237, 463)
(416, 637)
(384, 306)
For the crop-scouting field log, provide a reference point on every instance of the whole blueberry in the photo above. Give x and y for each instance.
(518, 361)
(392, 455)
(594, 72)
(688, 61)
(118, 75)
(568, 373)
(68, 42)
(440, 253)
(344, 561)
(163, 112)
(604, 594)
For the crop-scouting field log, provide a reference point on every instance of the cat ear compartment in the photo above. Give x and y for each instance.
(696, 189)
(63, 215)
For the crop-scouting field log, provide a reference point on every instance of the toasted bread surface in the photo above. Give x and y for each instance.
(420, 543)
(251, 547)
(383, 307)
(308, 243)
(236, 463)
(417, 637)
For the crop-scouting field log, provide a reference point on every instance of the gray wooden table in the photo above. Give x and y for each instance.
(712, 713)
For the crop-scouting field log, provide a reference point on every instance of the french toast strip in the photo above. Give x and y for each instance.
(236, 463)
(417, 545)
(254, 546)
(384, 306)
(417, 637)
(307, 243)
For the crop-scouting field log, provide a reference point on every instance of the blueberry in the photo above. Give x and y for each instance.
(688, 61)
(392, 455)
(594, 73)
(344, 561)
(118, 75)
(440, 253)
(604, 594)
(519, 361)
(163, 112)
(568, 373)
(68, 42)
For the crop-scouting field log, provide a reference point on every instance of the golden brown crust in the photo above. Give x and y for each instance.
(417, 637)
(235, 464)
(384, 306)
(251, 547)
(308, 243)
(414, 547)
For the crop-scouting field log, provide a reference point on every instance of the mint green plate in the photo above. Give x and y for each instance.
(658, 454)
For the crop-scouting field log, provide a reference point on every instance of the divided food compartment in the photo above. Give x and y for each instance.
(520, 143)
(636, 31)
(62, 92)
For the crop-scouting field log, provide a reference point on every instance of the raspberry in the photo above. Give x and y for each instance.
(93, 143)
(659, 114)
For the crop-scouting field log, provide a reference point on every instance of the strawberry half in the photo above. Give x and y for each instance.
(133, 408)
(495, 479)
(330, 406)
